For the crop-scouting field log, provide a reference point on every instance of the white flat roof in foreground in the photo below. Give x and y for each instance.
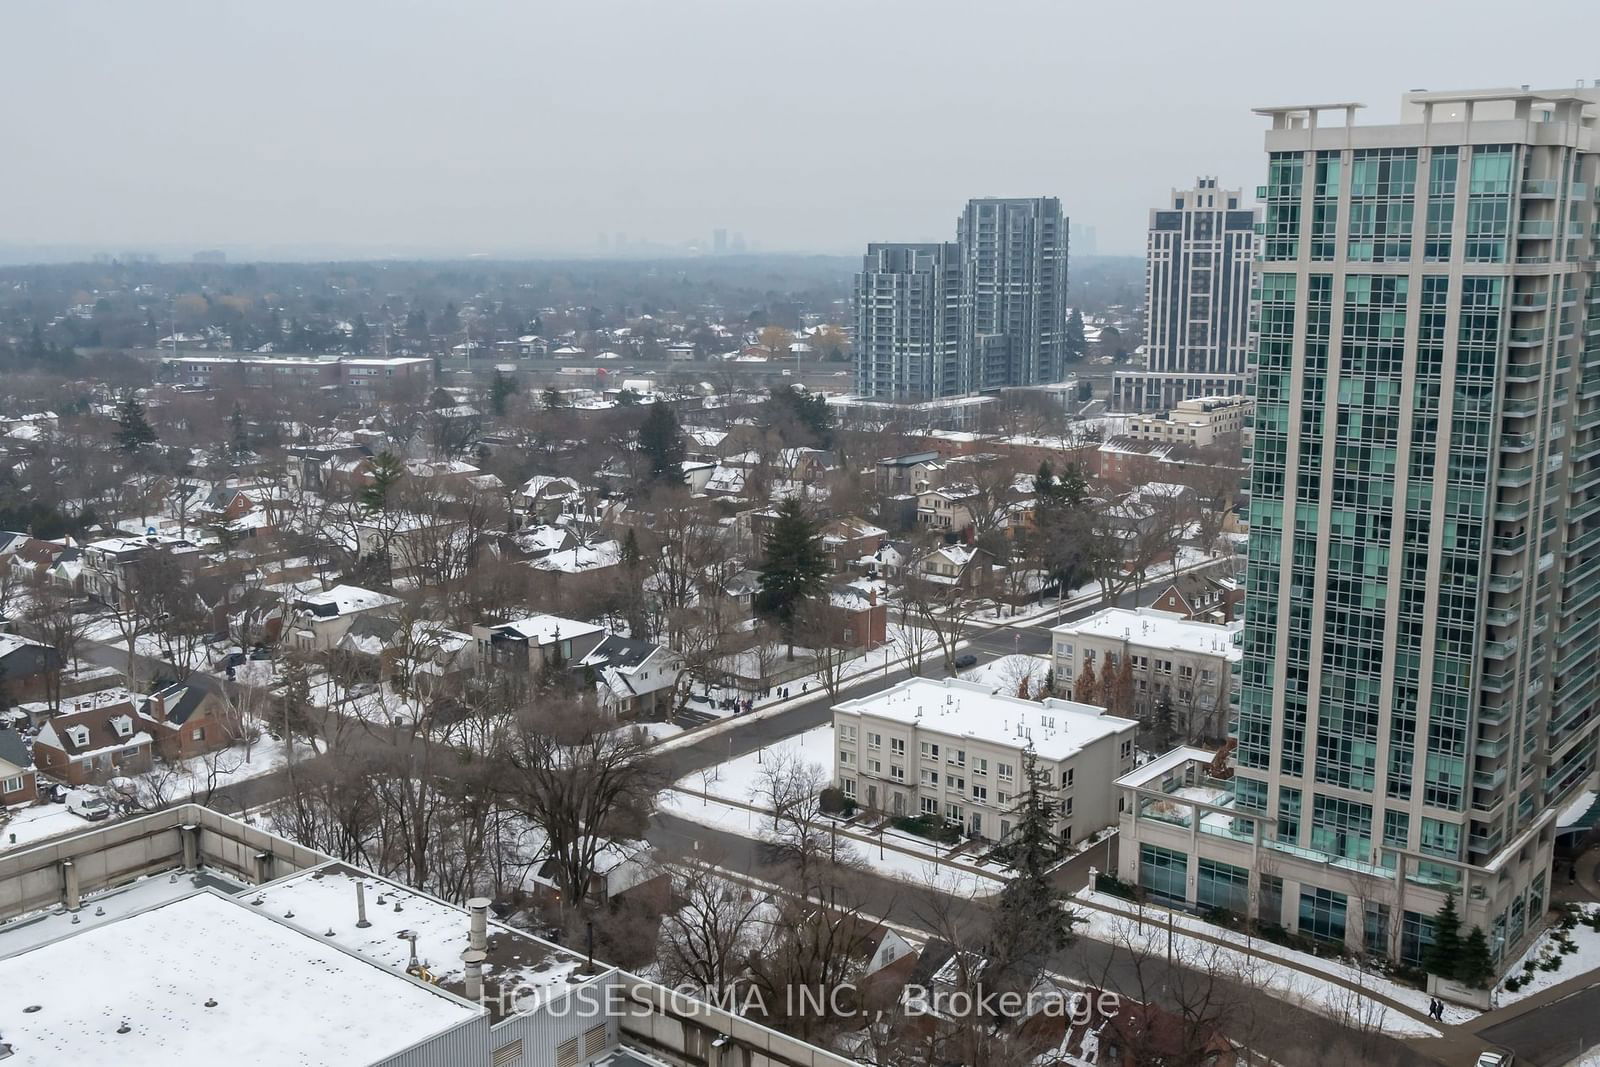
(1056, 728)
(281, 996)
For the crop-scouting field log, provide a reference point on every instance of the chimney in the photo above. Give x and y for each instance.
(361, 905)
(478, 932)
(158, 707)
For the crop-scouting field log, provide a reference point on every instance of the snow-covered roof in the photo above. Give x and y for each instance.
(546, 629)
(344, 600)
(1163, 764)
(1055, 729)
(581, 558)
(192, 976)
(1149, 628)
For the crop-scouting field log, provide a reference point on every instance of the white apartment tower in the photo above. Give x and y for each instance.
(1417, 701)
(1200, 252)
(908, 311)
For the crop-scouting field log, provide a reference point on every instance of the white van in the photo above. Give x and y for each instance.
(87, 806)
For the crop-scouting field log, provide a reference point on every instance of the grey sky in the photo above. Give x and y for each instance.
(520, 125)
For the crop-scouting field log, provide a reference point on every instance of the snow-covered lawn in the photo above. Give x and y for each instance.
(1256, 947)
(738, 779)
(1150, 939)
(918, 869)
(205, 776)
(36, 822)
(1009, 673)
(1584, 957)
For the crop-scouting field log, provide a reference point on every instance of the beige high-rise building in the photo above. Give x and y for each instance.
(1417, 702)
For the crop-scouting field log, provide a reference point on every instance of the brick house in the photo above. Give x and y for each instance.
(95, 740)
(188, 718)
(18, 782)
(1202, 598)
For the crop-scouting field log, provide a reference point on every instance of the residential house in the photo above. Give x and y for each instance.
(543, 497)
(581, 559)
(849, 539)
(536, 642)
(109, 562)
(1202, 597)
(947, 508)
(97, 737)
(319, 619)
(380, 647)
(859, 614)
(18, 782)
(29, 670)
(635, 679)
(908, 474)
(960, 566)
(189, 718)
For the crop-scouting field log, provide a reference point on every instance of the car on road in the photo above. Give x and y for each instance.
(1495, 1057)
(965, 660)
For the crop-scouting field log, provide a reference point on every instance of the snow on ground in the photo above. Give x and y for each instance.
(216, 771)
(739, 779)
(1008, 673)
(1150, 940)
(1403, 994)
(35, 823)
(744, 822)
(1544, 947)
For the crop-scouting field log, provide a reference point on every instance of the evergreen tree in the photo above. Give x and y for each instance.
(500, 391)
(631, 556)
(661, 442)
(241, 435)
(627, 398)
(1443, 956)
(808, 409)
(1074, 341)
(450, 321)
(386, 471)
(553, 399)
(360, 335)
(795, 568)
(133, 429)
(1031, 921)
(1062, 525)
(1474, 967)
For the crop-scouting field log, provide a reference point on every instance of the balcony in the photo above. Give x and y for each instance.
(1487, 780)
(1536, 228)
(1527, 336)
(1587, 420)
(1486, 844)
(1511, 511)
(1500, 650)
(1540, 188)
(1524, 372)
(1514, 476)
(1503, 616)
(1535, 301)
(1508, 582)
(1510, 544)
(1517, 442)
(1520, 407)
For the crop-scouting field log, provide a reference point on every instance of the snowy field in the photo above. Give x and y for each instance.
(739, 779)
(37, 822)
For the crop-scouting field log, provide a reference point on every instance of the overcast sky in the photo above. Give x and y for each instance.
(534, 125)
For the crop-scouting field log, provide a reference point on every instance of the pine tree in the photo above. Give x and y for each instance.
(386, 471)
(1474, 967)
(133, 429)
(500, 391)
(1031, 921)
(1443, 956)
(661, 442)
(1073, 341)
(795, 568)
(553, 399)
(241, 436)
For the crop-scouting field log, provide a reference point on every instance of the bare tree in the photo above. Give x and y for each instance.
(708, 938)
(579, 781)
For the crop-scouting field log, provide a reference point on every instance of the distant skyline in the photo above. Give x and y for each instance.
(365, 129)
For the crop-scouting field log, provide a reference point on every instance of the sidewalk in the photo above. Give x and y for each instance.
(1151, 917)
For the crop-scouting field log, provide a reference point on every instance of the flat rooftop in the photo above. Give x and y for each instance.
(322, 903)
(184, 982)
(1148, 628)
(1057, 729)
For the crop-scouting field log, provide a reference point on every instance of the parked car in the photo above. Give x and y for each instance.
(86, 805)
(1495, 1057)
(965, 660)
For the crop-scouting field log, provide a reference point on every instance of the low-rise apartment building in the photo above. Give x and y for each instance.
(1197, 423)
(956, 750)
(1134, 659)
